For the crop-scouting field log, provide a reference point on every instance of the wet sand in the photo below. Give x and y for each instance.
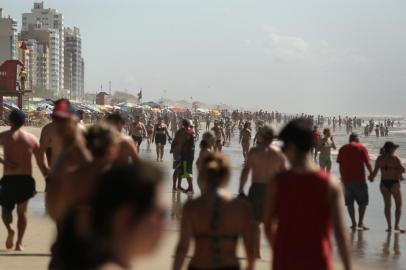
(373, 249)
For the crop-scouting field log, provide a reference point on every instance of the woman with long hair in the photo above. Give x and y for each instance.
(124, 220)
(391, 172)
(215, 220)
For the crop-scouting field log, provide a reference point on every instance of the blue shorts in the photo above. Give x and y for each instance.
(356, 191)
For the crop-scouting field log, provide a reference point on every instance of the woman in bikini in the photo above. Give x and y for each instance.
(160, 137)
(215, 220)
(326, 144)
(391, 172)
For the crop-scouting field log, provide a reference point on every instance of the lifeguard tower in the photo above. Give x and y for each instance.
(10, 83)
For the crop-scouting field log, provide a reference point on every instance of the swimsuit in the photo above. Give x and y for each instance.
(256, 196)
(389, 183)
(137, 139)
(16, 189)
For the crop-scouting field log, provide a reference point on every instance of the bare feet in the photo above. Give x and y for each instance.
(362, 227)
(353, 228)
(389, 229)
(399, 230)
(10, 239)
(189, 191)
(19, 247)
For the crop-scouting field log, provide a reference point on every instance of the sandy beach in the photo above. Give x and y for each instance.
(40, 232)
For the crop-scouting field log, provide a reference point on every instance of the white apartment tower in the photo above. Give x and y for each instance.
(8, 38)
(73, 63)
(50, 20)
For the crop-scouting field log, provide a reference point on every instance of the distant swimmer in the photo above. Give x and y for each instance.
(220, 137)
(17, 185)
(391, 168)
(264, 161)
(245, 139)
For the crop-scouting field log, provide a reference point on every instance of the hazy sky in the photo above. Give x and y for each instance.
(341, 56)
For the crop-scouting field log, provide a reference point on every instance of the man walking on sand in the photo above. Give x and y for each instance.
(17, 185)
(265, 162)
(352, 159)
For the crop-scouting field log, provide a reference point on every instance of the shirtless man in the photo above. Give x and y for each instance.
(65, 136)
(127, 151)
(219, 133)
(138, 132)
(245, 139)
(265, 162)
(17, 185)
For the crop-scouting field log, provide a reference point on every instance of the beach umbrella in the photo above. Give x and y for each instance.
(152, 104)
(177, 109)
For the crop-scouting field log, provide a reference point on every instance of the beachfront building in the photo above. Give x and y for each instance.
(73, 64)
(41, 21)
(43, 45)
(8, 38)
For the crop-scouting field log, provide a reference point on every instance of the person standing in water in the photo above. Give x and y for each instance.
(265, 162)
(308, 196)
(215, 221)
(219, 133)
(325, 146)
(160, 137)
(352, 159)
(17, 185)
(391, 172)
(245, 139)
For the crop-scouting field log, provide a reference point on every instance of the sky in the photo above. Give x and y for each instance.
(313, 56)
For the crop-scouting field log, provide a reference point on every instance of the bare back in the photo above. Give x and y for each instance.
(51, 140)
(19, 147)
(234, 216)
(265, 162)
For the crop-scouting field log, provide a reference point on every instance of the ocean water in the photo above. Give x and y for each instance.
(375, 247)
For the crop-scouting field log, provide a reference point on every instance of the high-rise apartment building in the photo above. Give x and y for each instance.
(8, 38)
(73, 63)
(51, 21)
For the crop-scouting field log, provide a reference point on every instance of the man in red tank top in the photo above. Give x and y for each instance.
(307, 196)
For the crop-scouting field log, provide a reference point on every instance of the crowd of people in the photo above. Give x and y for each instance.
(107, 203)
